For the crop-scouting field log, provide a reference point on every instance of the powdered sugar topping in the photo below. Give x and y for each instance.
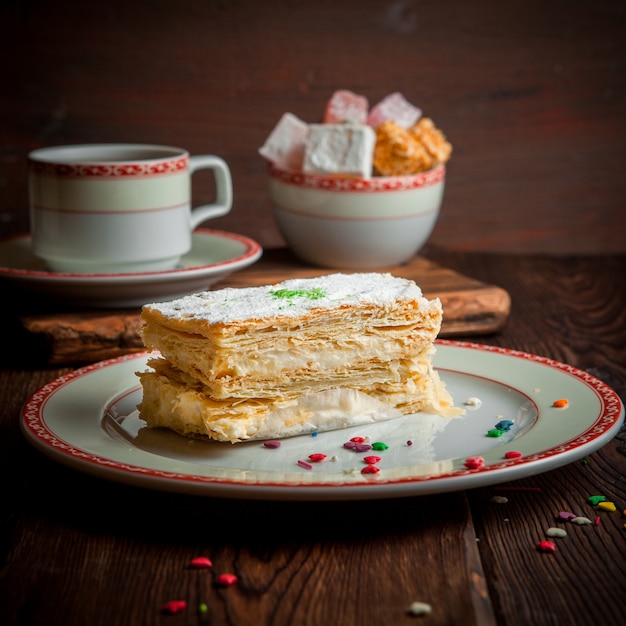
(291, 298)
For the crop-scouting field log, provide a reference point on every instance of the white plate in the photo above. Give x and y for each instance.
(214, 254)
(87, 420)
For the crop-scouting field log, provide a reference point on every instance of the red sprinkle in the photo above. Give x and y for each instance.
(370, 469)
(597, 521)
(174, 606)
(226, 580)
(546, 546)
(512, 454)
(317, 457)
(304, 464)
(201, 562)
(359, 439)
(372, 460)
(474, 462)
(272, 444)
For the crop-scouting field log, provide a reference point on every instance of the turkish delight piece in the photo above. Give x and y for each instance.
(398, 152)
(394, 107)
(346, 106)
(432, 139)
(285, 145)
(339, 150)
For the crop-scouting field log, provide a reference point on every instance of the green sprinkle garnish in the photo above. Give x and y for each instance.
(203, 608)
(495, 432)
(291, 294)
(379, 445)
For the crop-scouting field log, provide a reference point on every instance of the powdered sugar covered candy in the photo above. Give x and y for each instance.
(285, 145)
(346, 106)
(339, 149)
(394, 107)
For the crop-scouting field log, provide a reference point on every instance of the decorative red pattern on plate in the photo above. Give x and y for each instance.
(597, 431)
(365, 185)
(108, 170)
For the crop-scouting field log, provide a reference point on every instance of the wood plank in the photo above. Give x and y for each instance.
(471, 307)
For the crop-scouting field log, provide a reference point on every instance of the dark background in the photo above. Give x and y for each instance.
(531, 94)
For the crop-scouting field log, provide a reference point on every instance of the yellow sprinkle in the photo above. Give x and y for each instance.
(607, 506)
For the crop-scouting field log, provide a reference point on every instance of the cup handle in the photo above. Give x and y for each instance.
(223, 185)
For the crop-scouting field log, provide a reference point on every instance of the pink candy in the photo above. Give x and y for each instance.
(396, 108)
(346, 106)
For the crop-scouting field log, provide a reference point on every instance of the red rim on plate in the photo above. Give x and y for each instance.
(598, 429)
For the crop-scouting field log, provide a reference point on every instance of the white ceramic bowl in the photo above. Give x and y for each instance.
(348, 223)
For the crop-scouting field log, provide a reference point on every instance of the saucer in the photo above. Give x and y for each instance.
(214, 254)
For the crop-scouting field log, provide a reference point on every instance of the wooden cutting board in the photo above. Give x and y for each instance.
(471, 307)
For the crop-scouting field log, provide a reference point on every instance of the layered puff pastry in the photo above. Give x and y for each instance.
(304, 355)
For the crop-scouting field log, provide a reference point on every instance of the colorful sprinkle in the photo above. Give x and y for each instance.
(203, 608)
(512, 454)
(371, 460)
(607, 506)
(561, 403)
(379, 445)
(474, 462)
(201, 562)
(317, 457)
(409, 443)
(473, 401)
(370, 469)
(566, 516)
(271, 444)
(596, 522)
(305, 464)
(546, 546)
(556, 532)
(593, 500)
(359, 439)
(495, 432)
(499, 499)
(356, 446)
(580, 520)
(419, 608)
(226, 580)
(504, 424)
(173, 607)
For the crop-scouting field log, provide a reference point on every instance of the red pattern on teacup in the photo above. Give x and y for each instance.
(111, 170)
(374, 184)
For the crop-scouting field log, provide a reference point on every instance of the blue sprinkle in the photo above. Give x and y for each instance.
(504, 425)
(314, 434)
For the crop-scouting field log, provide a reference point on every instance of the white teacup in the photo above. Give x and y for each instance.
(116, 208)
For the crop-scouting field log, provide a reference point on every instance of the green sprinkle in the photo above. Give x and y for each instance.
(379, 445)
(593, 500)
(291, 294)
(203, 608)
(495, 432)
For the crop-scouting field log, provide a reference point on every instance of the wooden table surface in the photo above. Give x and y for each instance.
(80, 550)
